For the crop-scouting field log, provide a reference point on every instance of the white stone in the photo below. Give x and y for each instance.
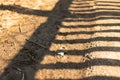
(61, 53)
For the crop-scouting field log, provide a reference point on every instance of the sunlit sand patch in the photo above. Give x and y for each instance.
(50, 59)
(73, 37)
(103, 71)
(64, 29)
(105, 55)
(77, 46)
(58, 74)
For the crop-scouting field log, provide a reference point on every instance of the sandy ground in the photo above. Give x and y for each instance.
(59, 40)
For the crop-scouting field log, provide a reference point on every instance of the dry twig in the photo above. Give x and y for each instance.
(20, 30)
(37, 43)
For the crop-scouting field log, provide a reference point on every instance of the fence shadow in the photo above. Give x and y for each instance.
(47, 33)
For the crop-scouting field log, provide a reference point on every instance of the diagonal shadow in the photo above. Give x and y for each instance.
(45, 32)
(24, 10)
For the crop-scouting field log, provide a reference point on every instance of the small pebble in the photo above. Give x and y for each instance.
(61, 53)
